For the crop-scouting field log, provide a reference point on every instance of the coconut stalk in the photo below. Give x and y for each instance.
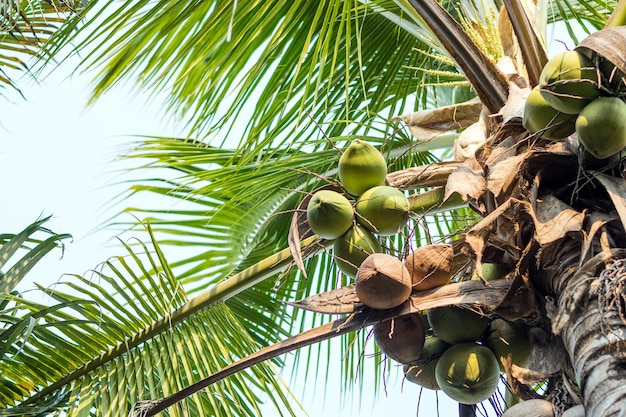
(533, 51)
(467, 410)
(431, 175)
(488, 81)
(433, 201)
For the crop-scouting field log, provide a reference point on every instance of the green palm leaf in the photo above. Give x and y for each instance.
(64, 359)
(589, 14)
(292, 62)
(11, 244)
(335, 60)
(25, 26)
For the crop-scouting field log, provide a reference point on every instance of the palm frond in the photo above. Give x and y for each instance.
(587, 15)
(292, 62)
(56, 361)
(25, 27)
(12, 244)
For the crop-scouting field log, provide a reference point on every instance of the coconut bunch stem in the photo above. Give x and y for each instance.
(433, 201)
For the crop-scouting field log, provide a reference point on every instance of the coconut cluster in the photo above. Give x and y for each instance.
(462, 352)
(577, 94)
(366, 209)
(452, 349)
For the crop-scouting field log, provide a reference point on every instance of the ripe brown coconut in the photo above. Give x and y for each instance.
(430, 266)
(402, 338)
(456, 324)
(532, 408)
(382, 281)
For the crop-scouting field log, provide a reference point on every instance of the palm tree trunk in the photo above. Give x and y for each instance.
(590, 317)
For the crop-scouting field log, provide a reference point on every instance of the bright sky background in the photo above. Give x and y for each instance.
(57, 157)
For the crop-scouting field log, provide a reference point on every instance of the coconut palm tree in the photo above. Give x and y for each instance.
(293, 89)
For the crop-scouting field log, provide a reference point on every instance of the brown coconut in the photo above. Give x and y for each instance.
(402, 338)
(430, 266)
(382, 281)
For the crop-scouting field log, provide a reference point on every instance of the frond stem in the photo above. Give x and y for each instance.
(487, 80)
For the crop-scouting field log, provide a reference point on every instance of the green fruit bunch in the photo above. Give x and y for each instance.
(367, 209)
(570, 98)
(464, 353)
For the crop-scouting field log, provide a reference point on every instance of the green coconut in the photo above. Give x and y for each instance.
(329, 214)
(601, 127)
(508, 340)
(382, 281)
(422, 371)
(492, 271)
(424, 317)
(353, 247)
(569, 81)
(456, 325)
(401, 338)
(468, 373)
(361, 167)
(383, 210)
(540, 117)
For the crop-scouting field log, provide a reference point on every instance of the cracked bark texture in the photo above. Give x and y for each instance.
(590, 321)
